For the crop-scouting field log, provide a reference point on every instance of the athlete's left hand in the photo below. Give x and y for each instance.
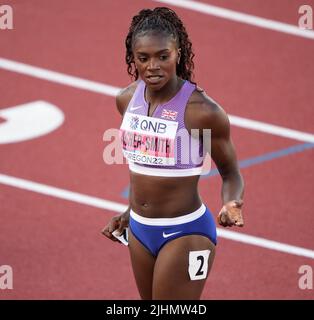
(231, 214)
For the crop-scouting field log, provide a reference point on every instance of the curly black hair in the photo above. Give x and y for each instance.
(165, 21)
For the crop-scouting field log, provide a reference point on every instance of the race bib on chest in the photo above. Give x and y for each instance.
(148, 140)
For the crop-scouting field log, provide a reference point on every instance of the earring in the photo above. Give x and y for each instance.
(179, 55)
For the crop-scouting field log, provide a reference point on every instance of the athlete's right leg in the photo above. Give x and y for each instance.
(143, 267)
(173, 278)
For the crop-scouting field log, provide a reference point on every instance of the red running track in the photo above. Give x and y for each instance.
(54, 246)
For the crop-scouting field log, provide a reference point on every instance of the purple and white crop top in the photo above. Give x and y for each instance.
(160, 145)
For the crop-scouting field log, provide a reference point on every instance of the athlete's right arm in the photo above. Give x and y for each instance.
(124, 96)
(121, 221)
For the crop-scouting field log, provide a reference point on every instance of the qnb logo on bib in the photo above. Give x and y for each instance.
(150, 125)
(148, 140)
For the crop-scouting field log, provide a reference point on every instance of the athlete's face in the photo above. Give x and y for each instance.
(156, 58)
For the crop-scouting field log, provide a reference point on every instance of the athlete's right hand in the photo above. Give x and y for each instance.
(119, 223)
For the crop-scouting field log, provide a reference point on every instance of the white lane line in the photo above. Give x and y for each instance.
(271, 129)
(265, 243)
(118, 207)
(58, 77)
(101, 88)
(61, 193)
(241, 17)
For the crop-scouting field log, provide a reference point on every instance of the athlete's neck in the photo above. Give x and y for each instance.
(169, 90)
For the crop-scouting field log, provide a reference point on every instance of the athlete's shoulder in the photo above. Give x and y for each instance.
(200, 102)
(124, 96)
(203, 112)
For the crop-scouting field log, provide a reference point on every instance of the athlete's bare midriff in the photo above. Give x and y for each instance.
(163, 197)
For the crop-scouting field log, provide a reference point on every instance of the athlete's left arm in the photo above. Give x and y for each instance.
(209, 115)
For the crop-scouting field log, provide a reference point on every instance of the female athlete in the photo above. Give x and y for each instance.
(172, 234)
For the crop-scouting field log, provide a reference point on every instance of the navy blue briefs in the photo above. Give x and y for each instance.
(154, 233)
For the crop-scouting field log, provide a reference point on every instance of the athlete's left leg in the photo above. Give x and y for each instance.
(182, 267)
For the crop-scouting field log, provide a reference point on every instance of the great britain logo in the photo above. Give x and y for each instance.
(169, 114)
(134, 122)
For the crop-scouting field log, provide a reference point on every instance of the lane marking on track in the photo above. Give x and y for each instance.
(61, 193)
(58, 77)
(241, 17)
(265, 243)
(29, 121)
(245, 163)
(271, 129)
(118, 207)
(109, 90)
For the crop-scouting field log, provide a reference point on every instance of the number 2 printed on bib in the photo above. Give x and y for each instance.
(198, 264)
